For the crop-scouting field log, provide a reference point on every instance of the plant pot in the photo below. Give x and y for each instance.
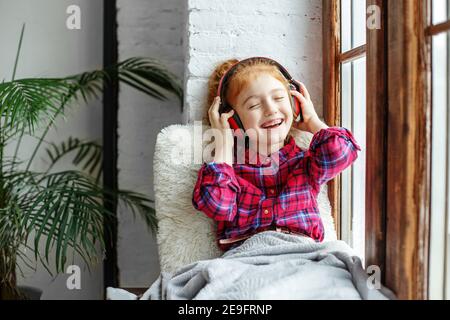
(30, 293)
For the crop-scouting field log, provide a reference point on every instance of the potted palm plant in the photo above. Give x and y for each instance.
(62, 209)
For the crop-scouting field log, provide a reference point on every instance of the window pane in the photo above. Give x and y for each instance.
(440, 11)
(346, 118)
(353, 24)
(346, 25)
(359, 23)
(353, 101)
(358, 168)
(439, 242)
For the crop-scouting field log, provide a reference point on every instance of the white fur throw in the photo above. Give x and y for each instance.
(186, 235)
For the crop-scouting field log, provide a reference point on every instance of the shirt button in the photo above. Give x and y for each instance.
(271, 191)
(266, 211)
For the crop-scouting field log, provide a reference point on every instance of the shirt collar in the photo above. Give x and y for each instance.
(256, 159)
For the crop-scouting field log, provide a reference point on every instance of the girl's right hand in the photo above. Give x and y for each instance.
(224, 143)
(218, 121)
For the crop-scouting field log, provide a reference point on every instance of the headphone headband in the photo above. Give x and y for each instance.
(226, 77)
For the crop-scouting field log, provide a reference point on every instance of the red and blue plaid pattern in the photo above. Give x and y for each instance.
(244, 201)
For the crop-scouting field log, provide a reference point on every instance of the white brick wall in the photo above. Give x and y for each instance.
(289, 31)
(191, 37)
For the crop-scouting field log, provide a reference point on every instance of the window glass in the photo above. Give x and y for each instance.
(353, 103)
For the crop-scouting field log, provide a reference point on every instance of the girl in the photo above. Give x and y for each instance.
(239, 197)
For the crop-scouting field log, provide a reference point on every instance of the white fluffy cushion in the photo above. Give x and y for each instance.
(186, 235)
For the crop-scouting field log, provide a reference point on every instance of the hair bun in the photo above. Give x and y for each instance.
(215, 77)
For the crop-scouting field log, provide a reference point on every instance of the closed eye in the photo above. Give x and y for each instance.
(256, 105)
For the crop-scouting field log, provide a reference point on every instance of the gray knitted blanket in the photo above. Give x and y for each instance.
(272, 265)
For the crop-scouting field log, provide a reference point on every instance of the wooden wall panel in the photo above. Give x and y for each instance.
(408, 150)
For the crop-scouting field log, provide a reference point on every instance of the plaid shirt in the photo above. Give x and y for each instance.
(245, 201)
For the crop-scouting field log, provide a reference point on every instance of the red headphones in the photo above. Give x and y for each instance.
(235, 121)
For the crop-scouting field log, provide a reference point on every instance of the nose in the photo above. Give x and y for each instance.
(270, 108)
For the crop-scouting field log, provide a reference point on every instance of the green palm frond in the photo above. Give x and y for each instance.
(63, 210)
(88, 155)
(143, 74)
(25, 102)
(148, 76)
(88, 85)
(139, 204)
(66, 210)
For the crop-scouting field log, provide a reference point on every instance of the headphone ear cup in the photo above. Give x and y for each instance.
(235, 122)
(296, 109)
(238, 121)
(232, 122)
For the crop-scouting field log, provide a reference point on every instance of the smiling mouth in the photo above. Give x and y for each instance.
(273, 124)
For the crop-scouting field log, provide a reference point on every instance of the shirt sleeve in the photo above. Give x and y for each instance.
(215, 192)
(331, 151)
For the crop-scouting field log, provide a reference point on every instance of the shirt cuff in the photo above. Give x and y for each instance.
(323, 134)
(213, 173)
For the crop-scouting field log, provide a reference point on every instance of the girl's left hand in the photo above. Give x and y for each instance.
(308, 112)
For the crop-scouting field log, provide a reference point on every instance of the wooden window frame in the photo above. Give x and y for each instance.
(398, 138)
(430, 31)
(332, 86)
